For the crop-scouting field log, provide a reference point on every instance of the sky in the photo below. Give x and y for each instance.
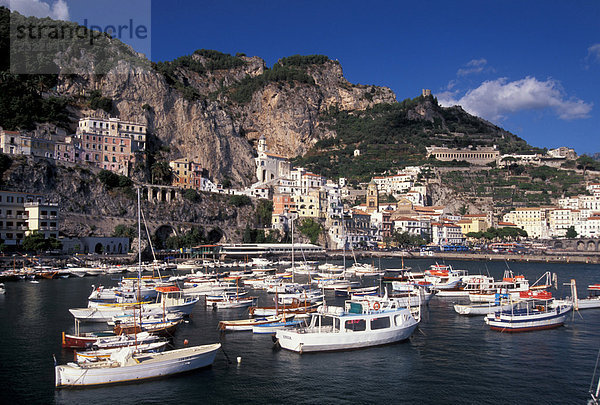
(531, 67)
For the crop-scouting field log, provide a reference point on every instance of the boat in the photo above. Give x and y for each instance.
(591, 301)
(349, 292)
(529, 314)
(104, 354)
(273, 327)
(170, 299)
(502, 303)
(2, 288)
(125, 366)
(230, 301)
(359, 324)
(247, 324)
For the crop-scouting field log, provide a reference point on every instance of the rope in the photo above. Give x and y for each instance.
(595, 368)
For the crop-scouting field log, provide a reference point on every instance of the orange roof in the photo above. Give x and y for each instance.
(474, 215)
(594, 219)
(507, 224)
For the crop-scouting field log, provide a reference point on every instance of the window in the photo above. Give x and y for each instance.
(356, 325)
(380, 323)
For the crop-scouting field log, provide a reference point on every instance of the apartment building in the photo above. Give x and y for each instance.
(24, 213)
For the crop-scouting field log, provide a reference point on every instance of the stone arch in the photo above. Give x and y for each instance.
(98, 248)
(163, 232)
(558, 245)
(120, 248)
(591, 246)
(215, 235)
(581, 245)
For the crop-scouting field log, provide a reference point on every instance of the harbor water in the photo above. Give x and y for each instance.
(450, 359)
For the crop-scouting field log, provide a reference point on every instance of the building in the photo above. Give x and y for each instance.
(111, 143)
(533, 220)
(372, 198)
(589, 227)
(563, 152)
(446, 234)
(268, 165)
(23, 213)
(476, 156)
(186, 173)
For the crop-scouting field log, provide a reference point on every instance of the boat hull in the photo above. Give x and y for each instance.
(160, 365)
(505, 322)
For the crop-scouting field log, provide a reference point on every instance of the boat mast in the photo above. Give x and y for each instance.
(139, 295)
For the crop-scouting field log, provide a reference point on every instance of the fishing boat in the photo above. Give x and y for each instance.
(296, 307)
(530, 314)
(247, 324)
(104, 354)
(125, 366)
(359, 324)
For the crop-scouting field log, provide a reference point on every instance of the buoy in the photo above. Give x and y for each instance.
(239, 359)
(185, 342)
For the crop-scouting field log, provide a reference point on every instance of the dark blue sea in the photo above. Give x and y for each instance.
(449, 360)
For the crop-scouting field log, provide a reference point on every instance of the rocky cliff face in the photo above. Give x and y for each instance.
(88, 208)
(218, 131)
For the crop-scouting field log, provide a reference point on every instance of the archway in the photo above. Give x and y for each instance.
(591, 246)
(214, 235)
(120, 248)
(581, 245)
(163, 232)
(98, 248)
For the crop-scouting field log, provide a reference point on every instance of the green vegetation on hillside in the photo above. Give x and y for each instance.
(201, 62)
(390, 136)
(304, 60)
(242, 92)
(525, 186)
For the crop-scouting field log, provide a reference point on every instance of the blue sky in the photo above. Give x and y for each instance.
(531, 67)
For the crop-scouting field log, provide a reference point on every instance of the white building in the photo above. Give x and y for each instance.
(589, 227)
(446, 234)
(268, 165)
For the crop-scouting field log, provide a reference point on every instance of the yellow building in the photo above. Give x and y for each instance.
(23, 213)
(533, 220)
(311, 205)
(186, 173)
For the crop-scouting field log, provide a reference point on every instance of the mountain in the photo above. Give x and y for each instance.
(215, 106)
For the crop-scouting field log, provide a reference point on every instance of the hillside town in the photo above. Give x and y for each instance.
(358, 216)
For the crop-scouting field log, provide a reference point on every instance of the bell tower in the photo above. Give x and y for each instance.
(372, 197)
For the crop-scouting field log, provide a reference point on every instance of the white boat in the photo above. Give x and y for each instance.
(358, 324)
(502, 303)
(124, 366)
(170, 300)
(104, 354)
(591, 301)
(2, 288)
(247, 324)
(229, 301)
(529, 315)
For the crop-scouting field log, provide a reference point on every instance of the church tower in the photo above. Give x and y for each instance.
(262, 144)
(372, 198)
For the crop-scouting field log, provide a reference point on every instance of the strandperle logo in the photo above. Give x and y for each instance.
(60, 31)
(92, 37)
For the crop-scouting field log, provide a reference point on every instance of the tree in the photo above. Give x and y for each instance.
(311, 229)
(240, 200)
(191, 195)
(406, 240)
(264, 212)
(36, 242)
(571, 232)
(161, 173)
(586, 163)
